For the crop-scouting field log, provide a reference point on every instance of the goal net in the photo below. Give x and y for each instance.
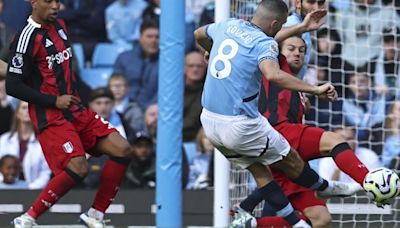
(358, 50)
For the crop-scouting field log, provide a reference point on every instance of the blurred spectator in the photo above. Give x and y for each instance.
(153, 12)
(13, 15)
(141, 171)
(123, 19)
(328, 168)
(195, 70)
(197, 6)
(198, 173)
(143, 74)
(6, 110)
(10, 168)
(360, 28)
(130, 111)
(102, 102)
(362, 106)
(391, 139)
(150, 119)
(85, 20)
(21, 142)
(387, 69)
(323, 113)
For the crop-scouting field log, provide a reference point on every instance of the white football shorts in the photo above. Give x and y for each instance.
(244, 140)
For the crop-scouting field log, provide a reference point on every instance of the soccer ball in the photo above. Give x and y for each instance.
(382, 184)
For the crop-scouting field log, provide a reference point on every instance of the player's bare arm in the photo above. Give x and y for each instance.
(311, 22)
(202, 38)
(273, 73)
(3, 68)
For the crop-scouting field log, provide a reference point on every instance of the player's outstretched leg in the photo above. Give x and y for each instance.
(335, 145)
(55, 189)
(300, 173)
(269, 191)
(111, 177)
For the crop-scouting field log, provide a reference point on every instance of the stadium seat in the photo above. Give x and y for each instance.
(79, 55)
(190, 149)
(105, 54)
(96, 77)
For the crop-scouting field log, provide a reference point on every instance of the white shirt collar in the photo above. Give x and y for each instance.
(32, 22)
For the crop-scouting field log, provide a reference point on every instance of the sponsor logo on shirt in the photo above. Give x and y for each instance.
(48, 43)
(59, 58)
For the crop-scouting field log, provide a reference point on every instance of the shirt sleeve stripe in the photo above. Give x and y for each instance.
(24, 38)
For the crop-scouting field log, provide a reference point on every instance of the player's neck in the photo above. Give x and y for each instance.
(37, 19)
(257, 24)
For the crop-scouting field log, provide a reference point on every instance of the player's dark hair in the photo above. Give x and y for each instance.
(146, 24)
(279, 7)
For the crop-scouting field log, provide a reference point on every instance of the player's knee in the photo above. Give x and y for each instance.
(292, 164)
(79, 166)
(322, 220)
(335, 139)
(319, 217)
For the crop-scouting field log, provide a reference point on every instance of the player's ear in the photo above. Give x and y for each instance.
(33, 2)
(274, 23)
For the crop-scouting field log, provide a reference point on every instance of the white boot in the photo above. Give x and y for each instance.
(24, 221)
(301, 224)
(339, 189)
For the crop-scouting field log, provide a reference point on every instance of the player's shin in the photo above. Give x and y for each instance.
(347, 161)
(273, 195)
(55, 189)
(111, 177)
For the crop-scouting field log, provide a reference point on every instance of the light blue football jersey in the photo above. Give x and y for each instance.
(233, 76)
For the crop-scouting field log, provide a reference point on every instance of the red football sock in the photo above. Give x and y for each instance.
(111, 177)
(55, 189)
(272, 221)
(348, 162)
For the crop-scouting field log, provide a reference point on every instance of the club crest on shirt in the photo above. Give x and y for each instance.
(62, 34)
(274, 48)
(68, 147)
(17, 61)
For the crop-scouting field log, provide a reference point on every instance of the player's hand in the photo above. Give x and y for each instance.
(65, 101)
(314, 20)
(327, 92)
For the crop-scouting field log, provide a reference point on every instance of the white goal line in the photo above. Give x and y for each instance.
(360, 209)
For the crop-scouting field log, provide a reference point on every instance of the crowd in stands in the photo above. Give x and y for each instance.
(116, 50)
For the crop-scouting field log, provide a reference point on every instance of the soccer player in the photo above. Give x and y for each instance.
(296, 25)
(284, 110)
(39, 72)
(240, 52)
